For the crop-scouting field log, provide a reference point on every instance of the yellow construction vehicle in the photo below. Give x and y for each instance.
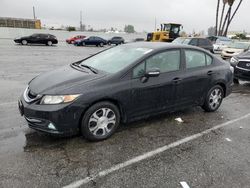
(168, 32)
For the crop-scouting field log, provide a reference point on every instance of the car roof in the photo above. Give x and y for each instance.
(160, 45)
(193, 38)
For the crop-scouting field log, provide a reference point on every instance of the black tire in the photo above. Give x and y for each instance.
(24, 42)
(236, 81)
(49, 43)
(86, 123)
(208, 106)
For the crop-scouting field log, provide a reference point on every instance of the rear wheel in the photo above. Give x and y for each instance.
(24, 42)
(100, 121)
(83, 44)
(213, 99)
(49, 43)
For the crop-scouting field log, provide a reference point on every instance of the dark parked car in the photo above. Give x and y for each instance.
(116, 40)
(241, 64)
(196, 41)
(95, 41)
(46, 39)
(123, 84)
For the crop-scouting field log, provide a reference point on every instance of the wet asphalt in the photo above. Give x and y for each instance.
(220, 158)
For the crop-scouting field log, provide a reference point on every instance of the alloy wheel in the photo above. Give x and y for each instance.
(215, 98)
(102, 121)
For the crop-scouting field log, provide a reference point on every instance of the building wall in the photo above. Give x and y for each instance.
(20, 23)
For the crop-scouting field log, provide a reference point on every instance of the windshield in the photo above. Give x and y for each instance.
(178, 41)
(186, 41)
(116, 59)
(239, 45)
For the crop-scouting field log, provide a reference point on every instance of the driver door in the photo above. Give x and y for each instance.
(157, 93)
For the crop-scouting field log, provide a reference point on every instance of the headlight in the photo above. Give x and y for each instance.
(234, 61)
(58, 99)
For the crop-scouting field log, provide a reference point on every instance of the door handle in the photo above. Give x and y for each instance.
(176, 80)
(210, 72)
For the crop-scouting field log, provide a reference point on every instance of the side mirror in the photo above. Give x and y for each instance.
(150, 73)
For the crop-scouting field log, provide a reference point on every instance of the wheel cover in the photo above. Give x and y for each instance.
(215, 98)
(49, 43)
(102, 121)
(24, 42)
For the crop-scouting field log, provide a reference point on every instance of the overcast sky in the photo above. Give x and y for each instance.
(193, 14)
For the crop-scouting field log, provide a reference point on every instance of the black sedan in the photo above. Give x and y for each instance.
(46, 39)
(94, 41)
(241, 64)
(123, 84)
(116, 40)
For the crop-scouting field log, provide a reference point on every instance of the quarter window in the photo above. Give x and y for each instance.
(195, 59)
(209, 59)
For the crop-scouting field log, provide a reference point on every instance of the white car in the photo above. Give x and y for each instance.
(234, 49)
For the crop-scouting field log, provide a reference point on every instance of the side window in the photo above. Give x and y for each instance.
(166, 61)
(203, 42)
(209, 60)
(195, 59)
(193, 42)
(139, 70)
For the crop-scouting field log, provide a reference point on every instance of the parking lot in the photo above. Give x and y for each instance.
(206, 150)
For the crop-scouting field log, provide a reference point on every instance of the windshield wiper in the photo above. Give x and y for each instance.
(90, 68)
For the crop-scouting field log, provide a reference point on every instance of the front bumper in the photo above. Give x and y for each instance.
(241, 74)
(61, 119)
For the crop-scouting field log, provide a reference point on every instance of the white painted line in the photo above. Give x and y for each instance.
(184, 184)
(8, 103)
(228, 139)
(150, 154)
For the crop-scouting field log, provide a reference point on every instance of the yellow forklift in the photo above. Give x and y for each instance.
(168, 32)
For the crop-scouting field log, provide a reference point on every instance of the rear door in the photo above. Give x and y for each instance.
(196, 79)
(156, 93)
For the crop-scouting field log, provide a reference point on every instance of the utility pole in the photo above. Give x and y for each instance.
(155, 24)
(81, 28)
(34, 13)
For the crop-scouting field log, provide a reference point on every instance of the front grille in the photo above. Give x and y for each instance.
(244, 65)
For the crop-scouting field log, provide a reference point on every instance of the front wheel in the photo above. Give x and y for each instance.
(100, 121)
(101, 44)
(213, 99)
(24, 42)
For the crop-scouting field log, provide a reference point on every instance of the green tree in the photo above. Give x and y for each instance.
(129, 29)
(70, 28)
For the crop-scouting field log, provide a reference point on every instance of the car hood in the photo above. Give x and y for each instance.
(245, 55)
(61, 80)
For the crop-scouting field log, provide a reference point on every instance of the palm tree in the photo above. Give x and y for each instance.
(222, 15)
(230, 18)
(217, 16)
